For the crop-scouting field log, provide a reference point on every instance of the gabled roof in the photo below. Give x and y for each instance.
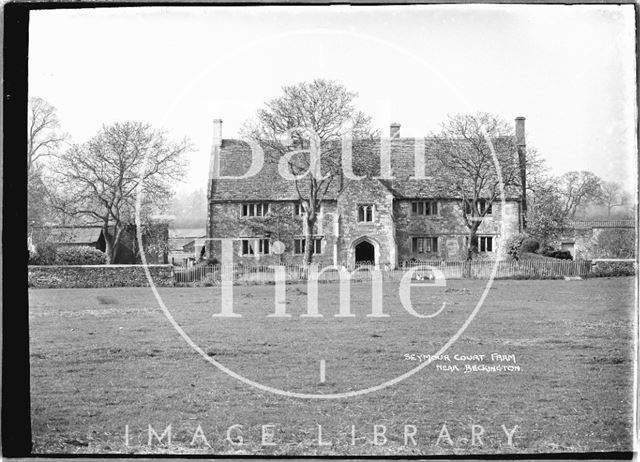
(268, 184)
(187, 232)
(179, 243)
(75, 235)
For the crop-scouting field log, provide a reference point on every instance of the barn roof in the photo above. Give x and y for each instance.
(187, 232)
(75, 235)
(268, 184)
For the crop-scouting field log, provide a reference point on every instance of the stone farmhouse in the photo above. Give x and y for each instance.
(385, 222)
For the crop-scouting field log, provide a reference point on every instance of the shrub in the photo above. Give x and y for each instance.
(616, 243)
(80, 256)
(613, 269)
(45, 254)
(514, 245)
(560, 254)
(529, 245)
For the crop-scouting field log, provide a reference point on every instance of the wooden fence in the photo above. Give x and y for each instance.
(479, 269)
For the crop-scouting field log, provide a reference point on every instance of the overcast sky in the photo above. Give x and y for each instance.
(570, 70)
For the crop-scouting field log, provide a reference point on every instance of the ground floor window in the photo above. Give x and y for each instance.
(485, 243)
(255, 246)
(300, 244)
(424, 244)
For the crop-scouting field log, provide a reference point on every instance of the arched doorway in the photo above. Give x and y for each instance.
(365, 253)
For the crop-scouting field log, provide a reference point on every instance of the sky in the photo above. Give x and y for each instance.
(570, 70)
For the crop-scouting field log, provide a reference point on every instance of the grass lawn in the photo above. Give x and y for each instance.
(104, 360)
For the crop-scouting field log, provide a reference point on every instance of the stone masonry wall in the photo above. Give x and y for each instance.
(99, 276)
(380, 232)
(227, 222)
(390, 232)
(448, 225)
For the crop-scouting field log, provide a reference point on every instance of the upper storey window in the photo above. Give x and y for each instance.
(259, 209)
(484, 206)
(299, 209)
(424, 208)
(365, 213)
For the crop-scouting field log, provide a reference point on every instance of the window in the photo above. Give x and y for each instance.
(483, 205)
(263, 246)
(255, 210)
(300, 209)
(485, 243)
(255, 246)
(365, 213)
(424, 244)
(424, 208)
(299, 246)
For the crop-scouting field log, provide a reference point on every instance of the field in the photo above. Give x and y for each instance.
(106, 364)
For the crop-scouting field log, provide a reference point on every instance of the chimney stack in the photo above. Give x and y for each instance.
(522, 161)
(216, 146)
(217, 132)
(394, 131)
(520, 138)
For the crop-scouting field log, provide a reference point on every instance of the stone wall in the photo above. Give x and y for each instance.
(99, 276)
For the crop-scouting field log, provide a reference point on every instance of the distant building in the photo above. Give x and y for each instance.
(154, 237)
(75, 236)
(185, 245)
(380, 221)
(583, 238)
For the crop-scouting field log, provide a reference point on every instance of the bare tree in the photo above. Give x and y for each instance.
(612, 194)
(310, 119)
(576, 188)
(99, 179)
(538, 173)
(466, 161)
(44, 137)
(38, 210)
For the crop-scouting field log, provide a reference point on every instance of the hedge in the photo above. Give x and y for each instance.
(49, 254)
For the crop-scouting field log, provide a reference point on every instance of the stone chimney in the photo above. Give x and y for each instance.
(521, 146)
(217, 133)
(394, 131)
(520, 137)
(214, 160)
